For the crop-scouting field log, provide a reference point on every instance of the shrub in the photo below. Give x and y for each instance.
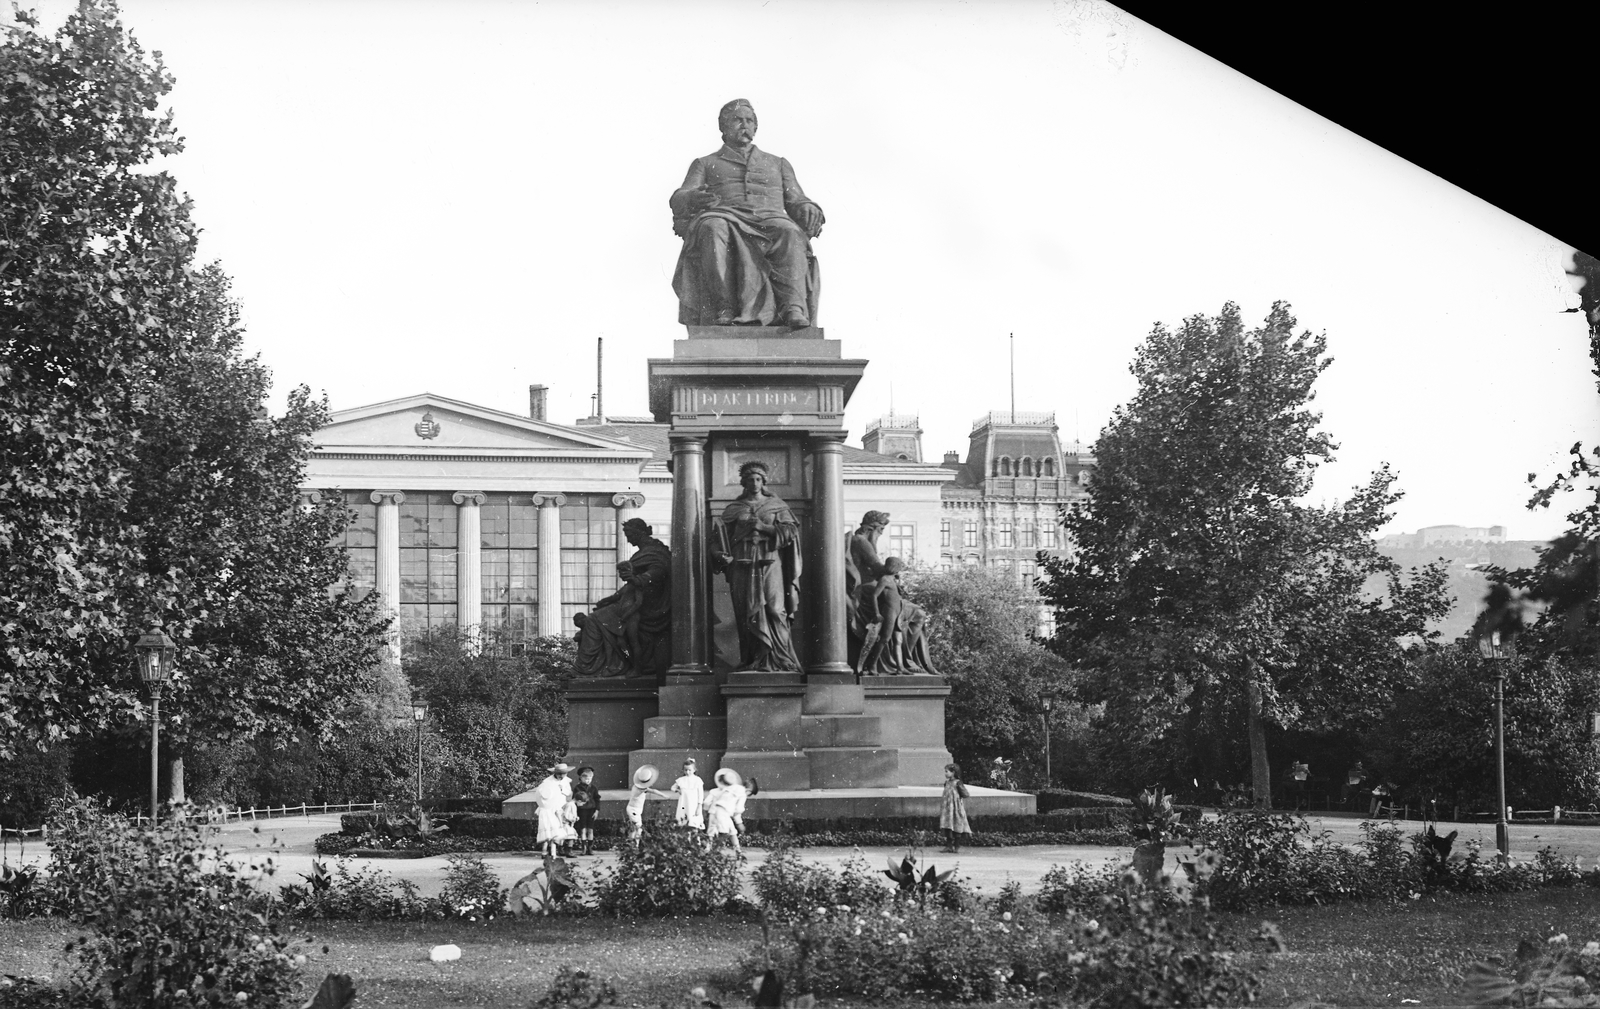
(471, 889)
(365, 894)
(789, 889)
(669, 872)
(577, 989)
(1049, 799)
(22, 893)
(170, 922)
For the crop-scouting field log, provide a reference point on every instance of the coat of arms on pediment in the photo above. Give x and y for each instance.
(427, 427)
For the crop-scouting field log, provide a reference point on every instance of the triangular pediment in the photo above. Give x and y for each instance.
(431, 423)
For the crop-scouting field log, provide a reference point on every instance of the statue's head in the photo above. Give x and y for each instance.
(737, 121)
(875, 520)
(753, 476)
(636, 531)
(893, 565)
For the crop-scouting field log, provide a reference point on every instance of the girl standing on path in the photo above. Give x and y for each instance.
(691, 792)
(552, 795)
(953, 809)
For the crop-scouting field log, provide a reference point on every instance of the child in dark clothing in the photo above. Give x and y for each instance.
(587, 798)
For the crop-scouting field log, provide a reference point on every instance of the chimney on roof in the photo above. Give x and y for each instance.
(952, 458)
(536, 401)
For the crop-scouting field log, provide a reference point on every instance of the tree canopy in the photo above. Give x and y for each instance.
(141, 479)
(980, 627)
(1202, 594)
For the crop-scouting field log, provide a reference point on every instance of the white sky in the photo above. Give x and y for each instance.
(460, 197)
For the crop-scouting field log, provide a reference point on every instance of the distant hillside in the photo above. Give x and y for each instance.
(1466, 581)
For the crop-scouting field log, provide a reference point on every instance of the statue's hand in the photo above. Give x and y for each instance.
(699, 199)
(809, 217)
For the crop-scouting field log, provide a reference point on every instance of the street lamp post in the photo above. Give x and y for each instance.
(1489, 645)
(419, 711)
(154, 651)
(1047, 701)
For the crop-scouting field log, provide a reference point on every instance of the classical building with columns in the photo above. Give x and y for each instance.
(468, 516)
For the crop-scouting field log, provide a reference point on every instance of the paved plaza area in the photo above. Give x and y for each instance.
(290, 842)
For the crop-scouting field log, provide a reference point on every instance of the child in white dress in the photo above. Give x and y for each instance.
(691, 794)
(725, 808)
(554, 795)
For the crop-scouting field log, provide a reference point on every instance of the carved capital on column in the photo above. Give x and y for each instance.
(393, 497)
(687, 443)
(631, 499)
(311, 498)
(549, 499)
(827, 441)
(473, 497)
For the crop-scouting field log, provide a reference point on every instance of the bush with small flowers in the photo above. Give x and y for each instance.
(170, 921)
(1556, 972)
(669, 872)
(1158, 942)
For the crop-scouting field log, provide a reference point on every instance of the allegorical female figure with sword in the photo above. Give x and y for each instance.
(756, 543)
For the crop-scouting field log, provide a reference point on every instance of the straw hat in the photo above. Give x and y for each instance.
(727, 776)
(646, 776)
(562, 767)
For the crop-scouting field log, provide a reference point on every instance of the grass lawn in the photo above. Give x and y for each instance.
(1348, 955)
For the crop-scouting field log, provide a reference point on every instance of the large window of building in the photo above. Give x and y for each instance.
(427, 561)
(944, 533)
(510, 562)
(902, 541)
(1025, 533)
(1027, 572)
(588, 553)
(361, 541)
(969, 536)
(1002, 534)
(1047, 535)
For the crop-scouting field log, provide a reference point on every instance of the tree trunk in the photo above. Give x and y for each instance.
(1260, 772)
(175, 780)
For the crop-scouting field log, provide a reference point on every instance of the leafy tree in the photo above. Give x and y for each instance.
(141, 479)
(980, 629)
(1566, 579)
(1203, 596)
(493, 697)
(1438, 740)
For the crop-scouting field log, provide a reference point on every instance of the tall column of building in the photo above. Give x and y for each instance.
(690, 606)
(469, 560)
(386, 573)
(549, 506)
(627, 506)
(829, 654)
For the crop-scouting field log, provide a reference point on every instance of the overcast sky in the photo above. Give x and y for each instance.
(461, 197)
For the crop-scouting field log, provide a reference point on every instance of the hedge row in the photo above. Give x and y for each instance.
(1063, 819)
(1062, 798)
(342, 844)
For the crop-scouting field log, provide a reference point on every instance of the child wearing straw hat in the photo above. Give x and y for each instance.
(641, 790)
(725, 808)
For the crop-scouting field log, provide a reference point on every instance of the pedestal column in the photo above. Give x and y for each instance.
(386, 570)
(469, 561)
(825, 567)
(549, 506)
(627, 506)
(690, 606)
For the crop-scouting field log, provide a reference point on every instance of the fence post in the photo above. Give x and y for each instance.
(1557, 814)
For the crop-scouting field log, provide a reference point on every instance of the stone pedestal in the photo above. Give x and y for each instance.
(606, 721)
(910, 710)
(689, 723)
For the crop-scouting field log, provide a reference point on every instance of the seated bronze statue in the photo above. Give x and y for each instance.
(746, 226)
